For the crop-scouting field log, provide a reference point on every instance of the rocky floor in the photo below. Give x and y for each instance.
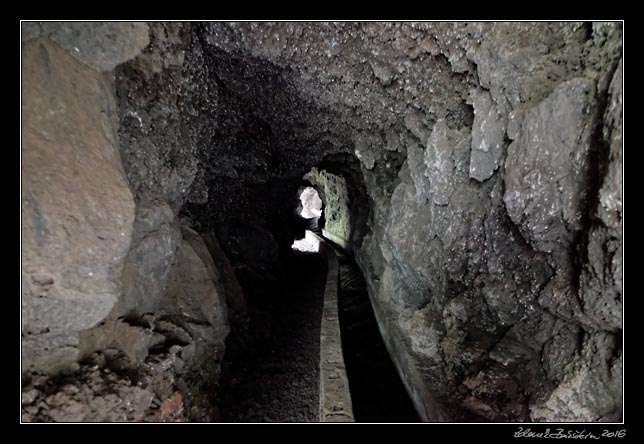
(95, 394)
(271, 369)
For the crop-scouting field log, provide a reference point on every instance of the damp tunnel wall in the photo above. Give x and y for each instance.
(483, 163)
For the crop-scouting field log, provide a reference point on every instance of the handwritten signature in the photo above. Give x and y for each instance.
(568, 434)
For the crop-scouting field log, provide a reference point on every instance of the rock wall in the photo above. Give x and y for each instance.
(490, 154)
(482, 164)
(113, 280)
(177, 284)
(490, 276)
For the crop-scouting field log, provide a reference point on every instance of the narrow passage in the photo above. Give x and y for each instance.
(271, 369)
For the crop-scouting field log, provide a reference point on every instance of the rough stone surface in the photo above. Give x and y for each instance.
(127, 315)
(185, 329)
(602, 274)
(488, 136)
(156, 145)
(195, 302)
(101, 45)
(101, 395)
(195, 291)
(154, 243)
(172, 276)
(469, 277)
(334, 189)
(77, 210)
(482, 164)
(485, 262)
(234, 295)
(126, 345)
(548, 167)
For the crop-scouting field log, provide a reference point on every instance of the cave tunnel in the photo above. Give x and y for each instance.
(321, 222)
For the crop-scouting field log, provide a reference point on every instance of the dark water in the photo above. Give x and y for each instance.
(377, 393)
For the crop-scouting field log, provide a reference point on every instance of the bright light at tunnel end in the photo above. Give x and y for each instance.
(309, 244)
(311, 203)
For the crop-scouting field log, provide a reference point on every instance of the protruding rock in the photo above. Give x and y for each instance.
(547, 168)
(154, 243)
(77, 209)
(440, 161)
(195, 295)
(415, 122)
(488, 133)
(417, 170)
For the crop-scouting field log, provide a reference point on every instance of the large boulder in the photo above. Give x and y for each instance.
(195, 303)
(195, 296)
(234, 295)
(77, 209)
(155, 239)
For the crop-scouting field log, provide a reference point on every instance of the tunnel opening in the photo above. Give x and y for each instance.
(311, 203)
(309, 209)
